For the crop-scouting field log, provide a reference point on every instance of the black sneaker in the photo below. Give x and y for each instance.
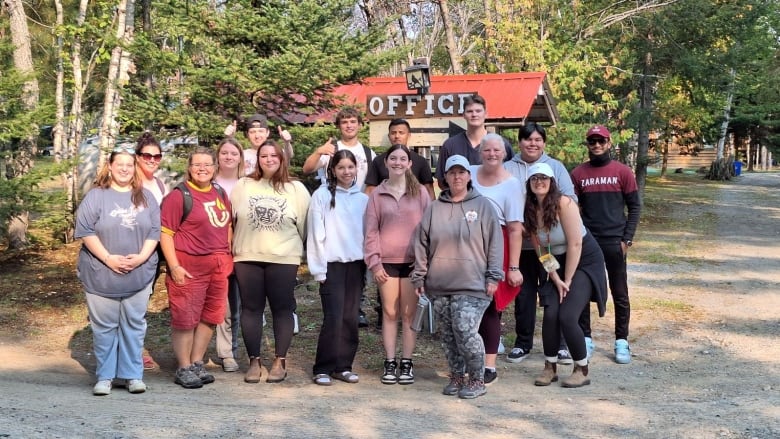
(362, 320)
(490, 376)
(389, 376)
(406, 376)
(516, 355)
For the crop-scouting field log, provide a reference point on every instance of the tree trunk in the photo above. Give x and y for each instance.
(20, 37)
(108, 127)
(646, 85)
(724, 127)
(452, 47)
(665, 152)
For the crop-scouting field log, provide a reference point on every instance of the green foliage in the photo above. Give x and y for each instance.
(27, 194)
(208, 67)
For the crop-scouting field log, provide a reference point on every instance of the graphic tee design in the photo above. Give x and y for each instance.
(265, 213)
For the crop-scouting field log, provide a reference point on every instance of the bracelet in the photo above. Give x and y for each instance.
(514, 268)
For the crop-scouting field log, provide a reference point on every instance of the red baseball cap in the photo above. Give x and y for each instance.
(598, 130)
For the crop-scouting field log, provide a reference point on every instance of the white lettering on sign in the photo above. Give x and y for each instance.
(390, 106)
(449, 108)
(411, 102)
(376, 105)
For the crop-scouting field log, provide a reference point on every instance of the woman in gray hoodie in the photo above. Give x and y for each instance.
(458, 263)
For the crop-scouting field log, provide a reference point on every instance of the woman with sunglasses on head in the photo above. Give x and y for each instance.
(574, 264)
(269, 210)
(196, 233)
(148, 155)
(119, 223)
(230, 167)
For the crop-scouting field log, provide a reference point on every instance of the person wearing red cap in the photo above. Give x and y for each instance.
(609, 200)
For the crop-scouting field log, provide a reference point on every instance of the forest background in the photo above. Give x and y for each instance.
(689, 71)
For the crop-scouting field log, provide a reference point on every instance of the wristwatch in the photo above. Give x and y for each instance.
(629, 242)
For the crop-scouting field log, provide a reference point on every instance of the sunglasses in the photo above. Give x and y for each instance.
(597, 140)
(147, 156)
(539, 177)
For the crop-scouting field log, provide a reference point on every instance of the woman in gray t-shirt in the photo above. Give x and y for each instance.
(119, 223)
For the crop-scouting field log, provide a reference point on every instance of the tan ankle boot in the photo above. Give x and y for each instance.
(549, 374)
(578, 378)
(254, 372)
(278, 371)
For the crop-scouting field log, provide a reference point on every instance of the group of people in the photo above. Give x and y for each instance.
(504, 229)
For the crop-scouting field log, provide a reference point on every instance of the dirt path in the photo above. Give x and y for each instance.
(704, 334)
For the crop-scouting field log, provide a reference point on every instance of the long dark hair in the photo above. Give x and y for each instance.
(412, 184)
(331, 172)
(550, 207)
(146, 139)
(281, 176)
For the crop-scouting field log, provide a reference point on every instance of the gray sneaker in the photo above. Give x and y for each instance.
(454, 386)
(200, 370)
(187, 378)
(473, 389)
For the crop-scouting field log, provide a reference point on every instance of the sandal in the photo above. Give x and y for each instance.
(149, 363)
(322, 379)
(347, 376)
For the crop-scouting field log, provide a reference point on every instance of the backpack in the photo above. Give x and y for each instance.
(185, 191)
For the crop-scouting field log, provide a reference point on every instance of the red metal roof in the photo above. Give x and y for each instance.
(510, 97)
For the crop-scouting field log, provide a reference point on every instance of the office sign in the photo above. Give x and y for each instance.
(408, 106)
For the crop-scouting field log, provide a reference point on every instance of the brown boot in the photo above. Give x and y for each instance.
(278, 371)
(578, 378)
(254, 372)
(549, 374)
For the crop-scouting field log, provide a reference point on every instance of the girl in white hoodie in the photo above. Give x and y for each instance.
(334, 252)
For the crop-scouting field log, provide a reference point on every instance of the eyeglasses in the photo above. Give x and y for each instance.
(155, 157)
(594, 140)
(202, 165)
(126, 149)
(539, 177)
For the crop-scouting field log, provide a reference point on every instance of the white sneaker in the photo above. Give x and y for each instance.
(102, 388)
(296, 328)
(136, 386)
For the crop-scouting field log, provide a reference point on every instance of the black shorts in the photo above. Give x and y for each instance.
(398, 270)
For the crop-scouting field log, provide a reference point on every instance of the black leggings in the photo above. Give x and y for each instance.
(258, 281)
(563, 318)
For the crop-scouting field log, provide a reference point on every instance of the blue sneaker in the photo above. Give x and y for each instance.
(590, 347)
(622, 352)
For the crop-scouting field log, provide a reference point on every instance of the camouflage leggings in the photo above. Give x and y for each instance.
(458, 318)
